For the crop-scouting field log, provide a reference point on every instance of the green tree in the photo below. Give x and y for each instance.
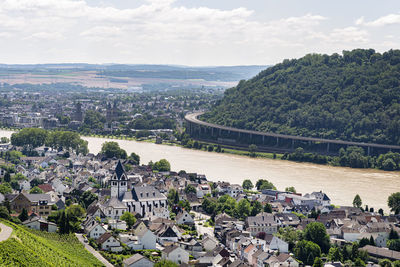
(243, 208)
(36, 190)
(87, 198)
(394, 202)
(173, 197)
(396, 263)
(394, 244)
(165, 263)
(256, 208)
(134, 158)
(112, 149)
(7, 177)
(252, 150)
(318, 262)
(334, 254)
(129, 219)
(4, 213)
(93, 120)
(357, 202)
(264, 184)
(307, 251)
(190, 189)
(162, 165)
(30, 137)
(371, 241)
(247, 184)
(290, 189)
(393, 234)
(268, 208)
(5, 188)
(363, 242)
(385, 263)
(316, 232)
(359, 262)
(4, 140)
(24, 215)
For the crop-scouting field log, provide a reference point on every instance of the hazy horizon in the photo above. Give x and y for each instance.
(189, 32)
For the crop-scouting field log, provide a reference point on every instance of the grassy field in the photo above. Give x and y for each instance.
(28, 247)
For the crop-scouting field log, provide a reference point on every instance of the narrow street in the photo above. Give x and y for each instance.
(93, 251)
(199, 220)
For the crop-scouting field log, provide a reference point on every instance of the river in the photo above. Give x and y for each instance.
(340, 184)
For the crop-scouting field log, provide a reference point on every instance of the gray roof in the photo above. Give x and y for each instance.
(262, 219)
(115, 203)
(38, 197)
(133, 259)
(143, 193)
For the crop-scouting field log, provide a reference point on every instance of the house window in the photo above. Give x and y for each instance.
(116, 212)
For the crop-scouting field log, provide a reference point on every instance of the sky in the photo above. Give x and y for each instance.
(192, 32)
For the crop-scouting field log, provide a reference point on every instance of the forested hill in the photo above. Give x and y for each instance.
(354, 96)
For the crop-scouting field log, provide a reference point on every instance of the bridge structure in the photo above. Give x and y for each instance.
(273, 142)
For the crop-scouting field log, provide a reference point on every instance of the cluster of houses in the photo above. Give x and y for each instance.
(143, 193)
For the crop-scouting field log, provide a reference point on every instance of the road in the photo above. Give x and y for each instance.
(5, 232)
(201, 229)
(93, 251)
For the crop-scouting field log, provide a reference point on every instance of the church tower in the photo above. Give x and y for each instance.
(119, 181)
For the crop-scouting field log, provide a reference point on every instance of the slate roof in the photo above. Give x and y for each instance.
(169, 249)
(37, 197)
(133, 259)
(382, 252)
(115, 203)
(119, 170)
(143, 193)
(104, 237)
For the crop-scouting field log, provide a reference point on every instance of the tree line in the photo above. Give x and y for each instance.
(353, 97)
(32, 138)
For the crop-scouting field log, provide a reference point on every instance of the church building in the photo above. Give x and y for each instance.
(144, 200)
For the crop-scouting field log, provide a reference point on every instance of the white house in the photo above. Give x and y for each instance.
(234, 190)
(117, 224)
(209, 243)
(175, 254)
(184, 218)
(108, 242)
(279, 244)
(95, 231)
(138, 260)
(147, 238)
(40, 224)
(202, 190)
(114, 208)
(25, 185)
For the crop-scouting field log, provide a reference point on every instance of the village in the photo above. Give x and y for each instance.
(137, 214)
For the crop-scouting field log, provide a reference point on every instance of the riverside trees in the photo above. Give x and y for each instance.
(31, 138)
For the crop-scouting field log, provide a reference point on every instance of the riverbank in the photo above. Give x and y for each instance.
(352, 157)
(341, 184)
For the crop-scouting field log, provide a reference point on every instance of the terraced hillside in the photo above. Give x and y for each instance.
(28, 247)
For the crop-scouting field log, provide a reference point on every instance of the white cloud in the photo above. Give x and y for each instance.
(162, 31)
(382, 21)
(46, 36)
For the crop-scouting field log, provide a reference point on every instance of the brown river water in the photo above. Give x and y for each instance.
(341, 184)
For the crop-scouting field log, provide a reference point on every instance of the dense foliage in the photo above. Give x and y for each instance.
(35, 137)
(352, 156)
(354, 96)
(112, 150)
(36, 248)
